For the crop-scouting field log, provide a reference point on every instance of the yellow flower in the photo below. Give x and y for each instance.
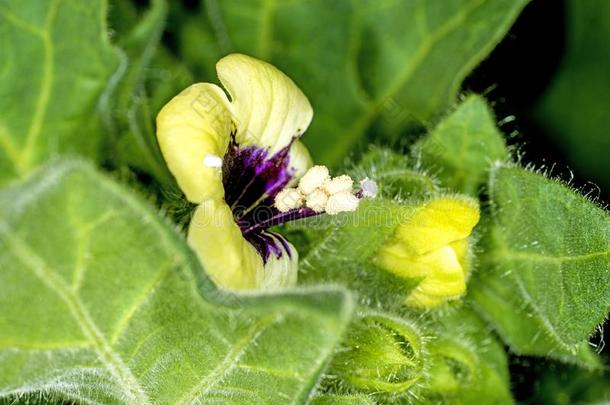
(432, 246)
(240, 160)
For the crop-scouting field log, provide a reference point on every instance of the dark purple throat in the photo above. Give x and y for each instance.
(252, 177)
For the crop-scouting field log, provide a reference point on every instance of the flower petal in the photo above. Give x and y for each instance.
(281, 271)
(268, 109)
(444, 280)
(440, 273)
(439, 222)
(300, 161)
(462, 251)
(229, 259)
(195, 126)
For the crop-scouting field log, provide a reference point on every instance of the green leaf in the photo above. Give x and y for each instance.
(392, 65)
(56, 68)
(131, 117)
(467, 365)
(336, 399)
(138, 36)
(463, 146)
(102, 302)
(545, 264)
(574, 108)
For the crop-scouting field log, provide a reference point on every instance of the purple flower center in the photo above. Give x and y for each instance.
(252, 178)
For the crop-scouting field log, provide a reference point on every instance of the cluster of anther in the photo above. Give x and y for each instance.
(320, 193)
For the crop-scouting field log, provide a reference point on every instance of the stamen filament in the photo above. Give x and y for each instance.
(281, 218)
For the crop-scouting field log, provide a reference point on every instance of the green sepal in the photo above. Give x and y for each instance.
(466, 363)
(380, 354)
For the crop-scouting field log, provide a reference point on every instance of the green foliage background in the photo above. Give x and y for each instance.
(101, 300)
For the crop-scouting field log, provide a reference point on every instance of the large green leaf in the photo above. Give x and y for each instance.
(56, 64)
(101, 302)
(391, 64)
(463, 146)
(575, 107)
(545, 265)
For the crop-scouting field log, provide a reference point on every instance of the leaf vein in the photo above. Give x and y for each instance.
(231, 359)
(46, 86)
(142, 298)
(111, 359)
(406, 74)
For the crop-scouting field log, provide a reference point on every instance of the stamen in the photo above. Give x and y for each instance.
(339, 184)
(289, 199)
(280, 218)
(313, 179)
(341, 202)
(256, 190)
(323, 194)
(316, 200)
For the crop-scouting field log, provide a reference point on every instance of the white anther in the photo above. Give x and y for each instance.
(313, 179)
(288, 199)
(339, 184)
(341, 202)
(316, 200)
(369, 187)
(211, 160)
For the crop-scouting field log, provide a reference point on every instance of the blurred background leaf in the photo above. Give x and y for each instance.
(57, 68)
(152, 76)
(575, 109)
(553, 383)
(129, 118)
(383, 67)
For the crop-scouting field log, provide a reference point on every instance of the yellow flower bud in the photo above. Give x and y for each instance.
(432, 246)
